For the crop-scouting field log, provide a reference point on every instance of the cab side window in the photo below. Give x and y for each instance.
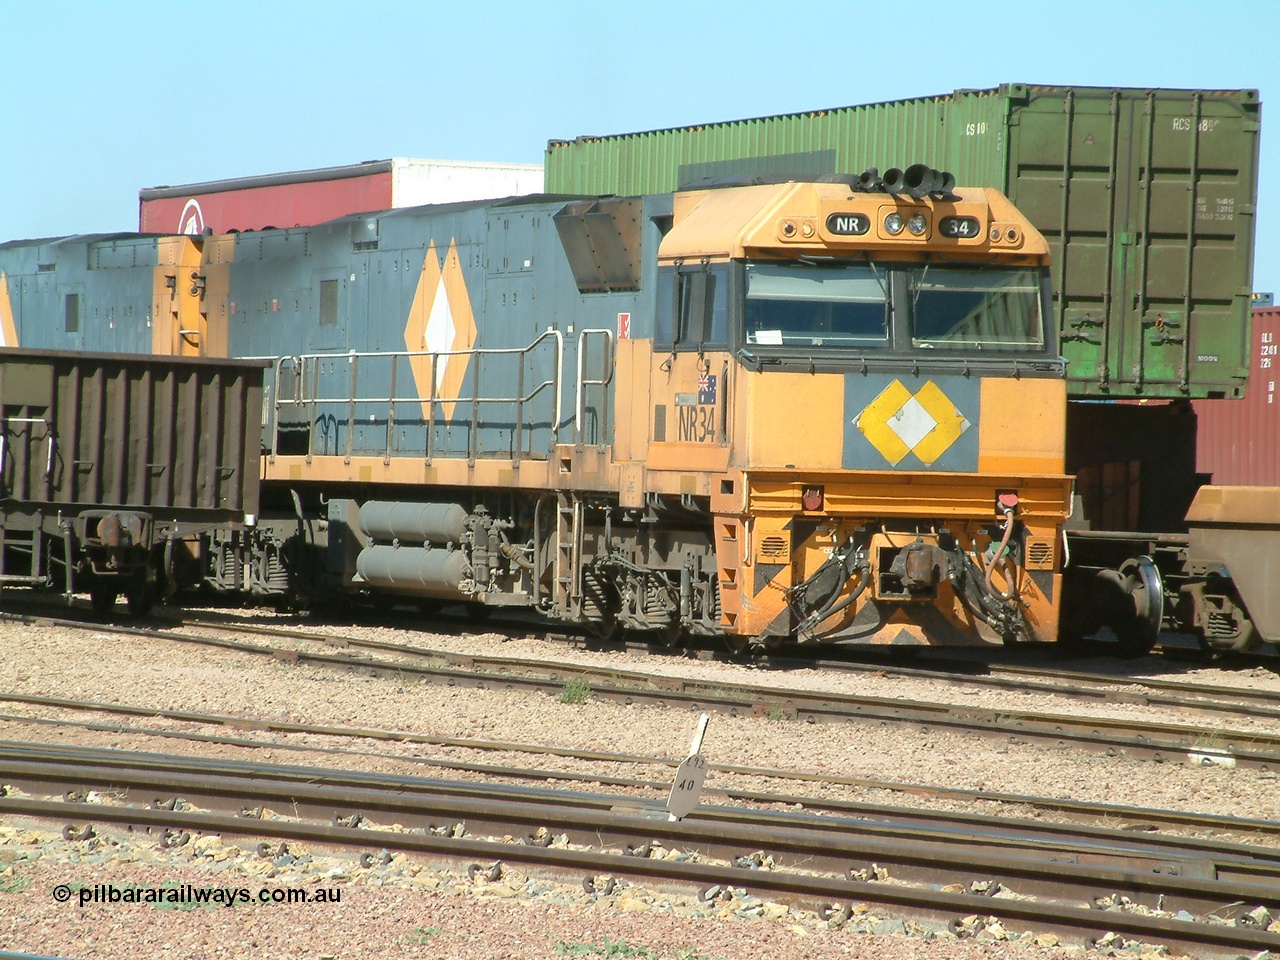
(693, 308)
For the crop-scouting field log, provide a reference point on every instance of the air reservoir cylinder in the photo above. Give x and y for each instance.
(429, 571)
(438, 523)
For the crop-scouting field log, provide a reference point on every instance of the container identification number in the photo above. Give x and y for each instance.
(1269, 349)
(1183, 124)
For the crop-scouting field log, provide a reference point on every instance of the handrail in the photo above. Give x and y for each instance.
(582, 383)
(4, 440)
(304, 372)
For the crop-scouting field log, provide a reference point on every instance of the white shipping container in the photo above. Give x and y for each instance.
(418, 182)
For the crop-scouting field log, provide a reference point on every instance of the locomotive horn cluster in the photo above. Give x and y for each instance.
(917, 181)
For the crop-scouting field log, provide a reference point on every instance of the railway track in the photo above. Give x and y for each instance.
(1084, 685)
(898, 859)
(1125, 819)
(1047, 887)
(1160, 741)
(993, 668)
(345, 793)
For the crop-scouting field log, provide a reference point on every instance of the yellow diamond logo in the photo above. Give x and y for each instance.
(440, 322)
(898, 422)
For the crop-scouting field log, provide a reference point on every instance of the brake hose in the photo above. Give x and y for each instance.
(995, 558)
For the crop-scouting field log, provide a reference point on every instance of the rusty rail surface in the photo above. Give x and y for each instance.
(1159, 741)
(813, 850)
(1086, 811)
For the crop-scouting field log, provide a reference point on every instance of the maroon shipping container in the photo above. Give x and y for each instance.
(307, 197)
(1238, 441)
(252, 203)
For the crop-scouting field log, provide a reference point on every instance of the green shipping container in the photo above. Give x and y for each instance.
(1147, 199)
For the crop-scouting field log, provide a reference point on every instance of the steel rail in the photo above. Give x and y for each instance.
(1213, 858)
(1027, 869)
(1265, 705)
(1154, 740)
(1135, 817)
(806, 889)
(1141, 822)
(1077, 685)
(1159, 741)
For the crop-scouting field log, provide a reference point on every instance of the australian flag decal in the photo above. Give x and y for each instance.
(706, 389)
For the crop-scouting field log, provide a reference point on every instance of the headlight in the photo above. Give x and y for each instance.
(917, 225)
(893, 224)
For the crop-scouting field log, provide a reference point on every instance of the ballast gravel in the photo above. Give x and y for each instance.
(408, 909)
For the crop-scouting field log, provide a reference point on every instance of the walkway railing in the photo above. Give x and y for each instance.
(307, 395)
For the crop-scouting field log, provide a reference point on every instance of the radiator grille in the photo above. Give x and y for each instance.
(773, 546)
(1039, 554)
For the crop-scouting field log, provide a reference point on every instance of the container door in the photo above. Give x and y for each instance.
(1146, 199)
(1064, 154)
(1193, 157)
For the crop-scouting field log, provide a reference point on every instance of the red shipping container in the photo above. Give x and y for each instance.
(1238, 441)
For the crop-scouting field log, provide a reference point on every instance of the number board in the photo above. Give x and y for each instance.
(848, 224)
(960, 228)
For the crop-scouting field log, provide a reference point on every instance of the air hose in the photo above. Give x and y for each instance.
(997, 556)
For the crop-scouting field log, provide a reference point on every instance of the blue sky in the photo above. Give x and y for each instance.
(102, 99)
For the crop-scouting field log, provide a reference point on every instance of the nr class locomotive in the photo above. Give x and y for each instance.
(803, 411)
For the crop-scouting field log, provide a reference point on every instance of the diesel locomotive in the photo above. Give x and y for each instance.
(766, 411)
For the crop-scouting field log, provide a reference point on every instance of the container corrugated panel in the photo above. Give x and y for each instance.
(177, 437)
(257, 203)
(1238, 441)
(1146, 197)
(307, 197)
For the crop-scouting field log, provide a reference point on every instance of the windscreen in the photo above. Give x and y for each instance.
(801, 304)
(976, 309)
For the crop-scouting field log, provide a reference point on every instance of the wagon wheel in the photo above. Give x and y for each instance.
(102, 599)
(140, 600)
(478, 612)
(141, 594)
(604, 630)
(1139, 627)
(671, 634)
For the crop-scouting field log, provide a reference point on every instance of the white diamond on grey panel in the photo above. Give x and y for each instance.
(905, 422)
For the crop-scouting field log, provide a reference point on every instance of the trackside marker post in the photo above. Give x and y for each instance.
(689, 777)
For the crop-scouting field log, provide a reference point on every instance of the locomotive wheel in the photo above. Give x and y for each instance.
(671, 635)
(737, 644)
(102, 599)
